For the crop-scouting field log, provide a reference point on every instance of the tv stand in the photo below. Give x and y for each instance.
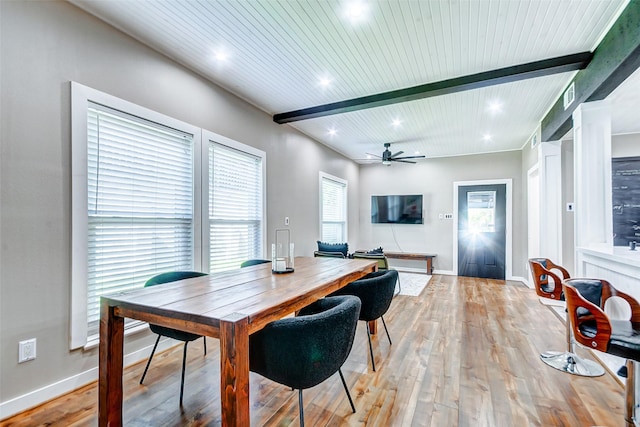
(414, 257)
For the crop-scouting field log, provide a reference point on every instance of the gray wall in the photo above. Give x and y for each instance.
(568, 245)
(434, 178)
(44, 46)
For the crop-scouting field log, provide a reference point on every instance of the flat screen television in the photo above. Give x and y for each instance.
(396, 209)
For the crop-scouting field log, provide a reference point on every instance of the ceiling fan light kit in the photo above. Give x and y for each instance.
(387, 157)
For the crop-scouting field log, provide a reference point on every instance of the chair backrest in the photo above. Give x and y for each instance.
(383, 262)
(375, 291)
(343, 248)
(172, 276)
(543, 269)
(251, 262)
(328, 254)
(585, 303)
(302, 351)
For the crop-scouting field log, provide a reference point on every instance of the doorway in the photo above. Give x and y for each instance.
(483, 229)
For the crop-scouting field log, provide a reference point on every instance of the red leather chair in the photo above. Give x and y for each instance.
(592, 328)
(547, 281)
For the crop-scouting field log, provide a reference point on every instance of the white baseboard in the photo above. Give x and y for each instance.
(37, 397)
(409, 269)
(520, 279)
(445, 272)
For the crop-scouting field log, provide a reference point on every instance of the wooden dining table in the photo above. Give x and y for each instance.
(230, 306)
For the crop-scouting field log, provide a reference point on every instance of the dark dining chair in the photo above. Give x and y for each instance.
(163, 331)
(250, 262)
(381, 258)
(303, 351)
(547, 282)
(593, 328)
(375, 291)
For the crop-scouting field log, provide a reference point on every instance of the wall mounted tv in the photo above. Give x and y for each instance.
(397, 209)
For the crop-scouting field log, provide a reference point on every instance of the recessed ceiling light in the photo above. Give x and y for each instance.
(417, 153)
(356, 11)
(486, 137)
(396, 122)
(221, 55)
(332, 132)
(324, 81)
(495, 107)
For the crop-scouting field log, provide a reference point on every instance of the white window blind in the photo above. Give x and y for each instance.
(333, 209)
(140, 203)
(235, 207)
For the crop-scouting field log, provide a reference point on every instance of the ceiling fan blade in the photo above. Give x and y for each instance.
(397, 154)
(374, 155)
(409, 157)
(402, 161)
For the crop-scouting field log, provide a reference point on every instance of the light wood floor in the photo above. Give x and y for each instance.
(465, 353)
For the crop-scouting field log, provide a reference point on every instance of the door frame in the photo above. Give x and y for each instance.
(508, 247)
(533, 216)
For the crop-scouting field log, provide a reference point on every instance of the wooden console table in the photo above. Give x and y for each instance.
(414, 257)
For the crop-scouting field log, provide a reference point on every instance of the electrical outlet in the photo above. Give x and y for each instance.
(448, 216)
(26, 350)
(286, 220)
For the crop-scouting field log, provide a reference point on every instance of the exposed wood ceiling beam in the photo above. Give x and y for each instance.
(561, 64)
(615, 59)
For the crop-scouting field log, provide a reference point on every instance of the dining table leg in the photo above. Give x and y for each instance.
(110, 367)
(234, 370)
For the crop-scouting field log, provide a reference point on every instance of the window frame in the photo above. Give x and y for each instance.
(325, 176)
(81, 97)
(212, 137)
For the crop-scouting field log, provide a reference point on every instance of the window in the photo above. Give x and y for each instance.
(133, 201)
(481, 211)
(333, 209)
(236, 208)
(149, 197)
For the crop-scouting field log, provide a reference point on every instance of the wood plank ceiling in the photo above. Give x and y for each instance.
(277, 52)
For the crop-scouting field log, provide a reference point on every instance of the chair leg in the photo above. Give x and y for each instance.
(301, 408)
(373, 362)
(630, 398)
(386, 330)
(568, 361)
(184, 364)
(344, 383)
(205, 345)
(149, 361)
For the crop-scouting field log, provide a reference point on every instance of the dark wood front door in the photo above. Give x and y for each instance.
(482, 231)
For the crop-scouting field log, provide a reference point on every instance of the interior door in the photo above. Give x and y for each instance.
(482, 231)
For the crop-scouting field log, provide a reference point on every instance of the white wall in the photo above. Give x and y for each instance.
(625, 145)
(434, 178)
(45, 45)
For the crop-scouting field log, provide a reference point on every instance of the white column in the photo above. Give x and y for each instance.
(592, 163)
(550, 172)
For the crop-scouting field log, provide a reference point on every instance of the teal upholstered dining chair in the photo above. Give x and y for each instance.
(160, 279)
(250, 262)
